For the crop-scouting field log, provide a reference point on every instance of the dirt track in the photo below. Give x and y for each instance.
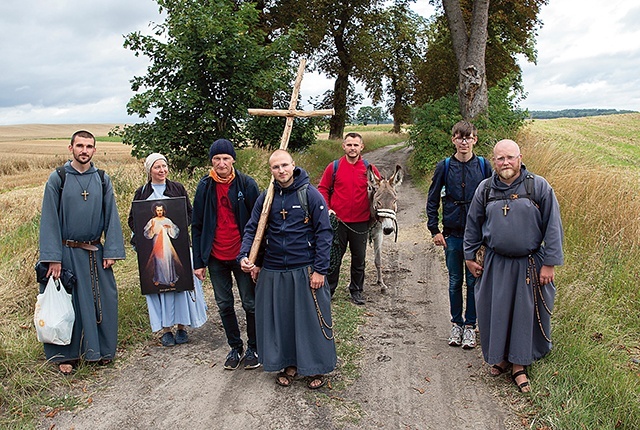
(411, 378)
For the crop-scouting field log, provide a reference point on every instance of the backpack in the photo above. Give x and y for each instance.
(336, 163)
(528, 186)
(447, 161)
(62, 173)
(304, 201)
(481, 160)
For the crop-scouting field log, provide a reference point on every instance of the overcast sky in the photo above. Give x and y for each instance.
(63, 60)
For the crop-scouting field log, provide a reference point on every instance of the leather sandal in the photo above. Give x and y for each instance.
(500, 367)
(523, 384)
(312, 379)
(286, 376)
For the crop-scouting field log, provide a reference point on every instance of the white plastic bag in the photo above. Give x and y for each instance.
(54, 315)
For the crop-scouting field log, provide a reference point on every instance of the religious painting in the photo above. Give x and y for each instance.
(162, 242)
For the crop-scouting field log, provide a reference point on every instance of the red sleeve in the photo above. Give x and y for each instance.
(325, 183)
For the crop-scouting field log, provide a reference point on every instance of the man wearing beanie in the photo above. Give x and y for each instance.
(222, 206)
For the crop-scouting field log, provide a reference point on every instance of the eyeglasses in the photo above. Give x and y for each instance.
(509, 158)
(465, 139)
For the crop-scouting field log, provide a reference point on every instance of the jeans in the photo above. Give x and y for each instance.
(220, 272)
(454, 257)
(356, 235)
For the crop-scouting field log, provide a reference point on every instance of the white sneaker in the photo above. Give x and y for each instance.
(469, 337)
(455, 339)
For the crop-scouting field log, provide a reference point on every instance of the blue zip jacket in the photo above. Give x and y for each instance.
(462, 182)
(243, 193)
(289, 241)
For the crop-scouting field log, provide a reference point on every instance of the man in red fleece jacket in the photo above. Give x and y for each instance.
(345, 192)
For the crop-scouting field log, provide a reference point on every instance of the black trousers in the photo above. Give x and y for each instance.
(355, 235)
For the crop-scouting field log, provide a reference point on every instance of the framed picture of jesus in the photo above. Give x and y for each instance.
(162, 243)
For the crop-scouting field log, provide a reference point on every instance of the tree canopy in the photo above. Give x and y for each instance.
(209, 62)
(511, 29)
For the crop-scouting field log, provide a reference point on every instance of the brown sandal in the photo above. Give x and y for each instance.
(286, 376)
(312, 379)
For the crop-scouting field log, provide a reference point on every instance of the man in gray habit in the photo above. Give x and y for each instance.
(75, 214)
(518, 220)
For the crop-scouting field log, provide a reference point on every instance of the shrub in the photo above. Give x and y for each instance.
(431, 132)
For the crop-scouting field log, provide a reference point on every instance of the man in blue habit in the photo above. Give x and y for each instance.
(75, 214)
(515, 214)
(293, 302)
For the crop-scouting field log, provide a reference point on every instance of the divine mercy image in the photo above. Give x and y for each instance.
(164, 259)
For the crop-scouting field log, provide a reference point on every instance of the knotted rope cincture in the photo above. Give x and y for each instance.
(534, 279)
(391, 214)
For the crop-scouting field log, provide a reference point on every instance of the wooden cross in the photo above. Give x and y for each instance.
(284, 213)
(505, 209)
(84, 194)
(290, 114)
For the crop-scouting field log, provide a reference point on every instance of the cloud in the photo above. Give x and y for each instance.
(66, 60)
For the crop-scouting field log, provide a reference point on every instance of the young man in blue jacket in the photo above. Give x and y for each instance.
(454, 182)
(293, 301)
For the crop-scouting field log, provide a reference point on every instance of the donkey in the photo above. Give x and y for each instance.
(383, 199)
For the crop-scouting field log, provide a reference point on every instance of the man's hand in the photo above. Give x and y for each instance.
(317, 280)
(438, 240)
(547, 275)
(107, 263)
(246, 265)
(474, 268)
(200, 273)
(55, 269)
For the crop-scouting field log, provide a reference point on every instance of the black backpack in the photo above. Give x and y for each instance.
(528, 186)
(62, 173)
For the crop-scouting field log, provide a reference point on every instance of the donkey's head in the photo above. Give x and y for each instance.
(384, 198)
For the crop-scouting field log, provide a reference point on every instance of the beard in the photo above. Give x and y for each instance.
(82, 161)
(508, 173)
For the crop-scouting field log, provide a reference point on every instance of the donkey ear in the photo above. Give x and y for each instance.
(373, 179)
(398, 175)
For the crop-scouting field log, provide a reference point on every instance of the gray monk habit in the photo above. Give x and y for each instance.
(83, 218)
(513, 314)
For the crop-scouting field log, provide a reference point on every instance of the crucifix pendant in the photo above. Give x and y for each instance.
(283, 213)
(84, 194)
(505, 209)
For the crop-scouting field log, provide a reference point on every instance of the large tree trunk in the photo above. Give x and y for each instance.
(469, 48)
(398, 111)
(337, 121)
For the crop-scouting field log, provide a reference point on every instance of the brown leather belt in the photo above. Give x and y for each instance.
(88, 246)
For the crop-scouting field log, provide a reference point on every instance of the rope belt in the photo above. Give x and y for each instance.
(87, 246)
(534, 280)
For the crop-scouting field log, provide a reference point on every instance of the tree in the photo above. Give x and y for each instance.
(365, 115)
(210, 61)
(379, 115)
(469, 46)
(400, 47)
(511, 32)
(337, 40)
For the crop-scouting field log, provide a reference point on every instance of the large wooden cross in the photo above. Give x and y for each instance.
(290, 114)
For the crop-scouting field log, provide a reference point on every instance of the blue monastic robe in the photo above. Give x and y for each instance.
(95, 297)
(513, 317)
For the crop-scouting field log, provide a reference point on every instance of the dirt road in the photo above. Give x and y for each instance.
(410, 377)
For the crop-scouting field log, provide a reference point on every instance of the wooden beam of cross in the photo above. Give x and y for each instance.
(290, 114)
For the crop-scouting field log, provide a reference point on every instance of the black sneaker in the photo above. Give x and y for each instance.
(233, 358)
(181, 336)
(251, 359)
(356, 297)
(167, 339)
